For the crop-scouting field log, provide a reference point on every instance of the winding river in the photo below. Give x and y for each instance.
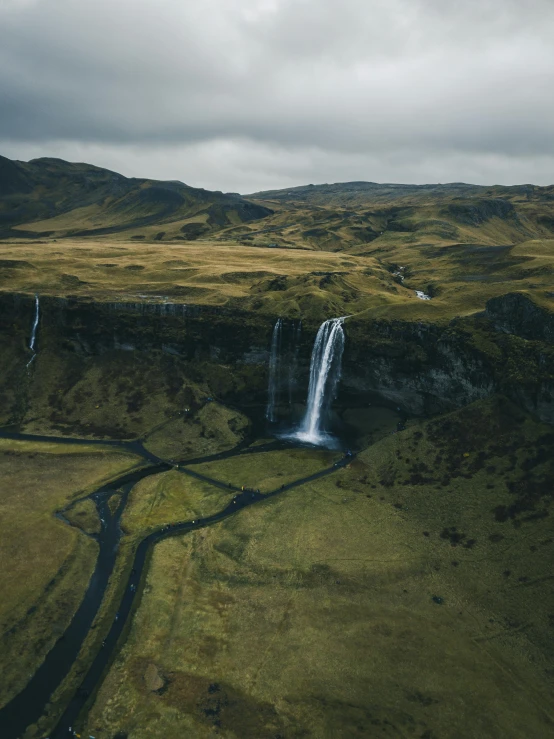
(30, 704)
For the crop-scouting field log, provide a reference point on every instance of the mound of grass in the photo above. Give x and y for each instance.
(84, 515)
(212, 429)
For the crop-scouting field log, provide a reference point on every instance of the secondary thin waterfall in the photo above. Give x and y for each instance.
(325, 368)
(274, 371)
(33, 339)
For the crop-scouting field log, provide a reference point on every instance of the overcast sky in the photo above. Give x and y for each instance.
(245, 95)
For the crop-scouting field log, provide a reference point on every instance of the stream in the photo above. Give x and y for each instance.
(29, 705)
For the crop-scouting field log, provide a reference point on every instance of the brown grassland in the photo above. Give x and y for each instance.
(288, 282)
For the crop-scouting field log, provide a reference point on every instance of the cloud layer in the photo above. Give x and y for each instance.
(251, 94)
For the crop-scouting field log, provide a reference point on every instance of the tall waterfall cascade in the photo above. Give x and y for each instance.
(325, 369)
(33, 339)
(274, 371)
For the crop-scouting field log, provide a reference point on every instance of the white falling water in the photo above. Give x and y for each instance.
(325, 368)
(274, 371)
(33, 339)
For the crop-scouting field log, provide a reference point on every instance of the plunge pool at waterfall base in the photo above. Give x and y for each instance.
(349, 426)
(324, 440)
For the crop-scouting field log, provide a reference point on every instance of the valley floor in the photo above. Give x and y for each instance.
(408, 593)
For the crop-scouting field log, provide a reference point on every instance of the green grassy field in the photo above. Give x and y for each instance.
(267, 471)
(46, 564)
(407, 595)
(170, 498)
(212, 429)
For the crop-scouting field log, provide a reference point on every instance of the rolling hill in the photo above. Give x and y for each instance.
(366, 217)
(53, 198)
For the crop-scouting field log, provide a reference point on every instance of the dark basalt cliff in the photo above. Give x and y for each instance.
(515, 313)
(422, 368)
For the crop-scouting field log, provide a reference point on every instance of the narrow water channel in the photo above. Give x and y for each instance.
(29, 705)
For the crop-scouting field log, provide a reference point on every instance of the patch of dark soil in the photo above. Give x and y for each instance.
(456, 537)
(222, 705)
(529, 495)
(193, 231)
(16, 264)
(71, 280)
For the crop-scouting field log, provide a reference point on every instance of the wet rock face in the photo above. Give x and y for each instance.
(419, 368)
(515, 313)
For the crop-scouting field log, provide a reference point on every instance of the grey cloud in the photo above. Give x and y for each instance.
(372, 81)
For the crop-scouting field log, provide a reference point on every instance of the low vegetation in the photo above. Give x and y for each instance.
(309, 284)
(46, 563)
(214, 428)
(405, 595)
(170, 498)
(268, 471)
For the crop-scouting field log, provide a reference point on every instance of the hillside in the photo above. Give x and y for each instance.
(366, 217)
(53, 198)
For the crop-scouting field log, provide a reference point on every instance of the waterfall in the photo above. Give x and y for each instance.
(325, 367)
(34, 331)
(274, 371)
(293, 364)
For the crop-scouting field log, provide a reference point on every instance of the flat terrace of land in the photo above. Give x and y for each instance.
(311, 283)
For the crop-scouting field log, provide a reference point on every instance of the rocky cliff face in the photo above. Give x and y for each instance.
(428, 369)
(516, 314)
(422, 368)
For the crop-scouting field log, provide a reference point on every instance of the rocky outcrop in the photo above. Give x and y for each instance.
(515, 313)
(423, 369)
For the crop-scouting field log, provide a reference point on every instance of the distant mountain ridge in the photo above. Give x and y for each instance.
(368, 217)
(360, 191)
(52, 197)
